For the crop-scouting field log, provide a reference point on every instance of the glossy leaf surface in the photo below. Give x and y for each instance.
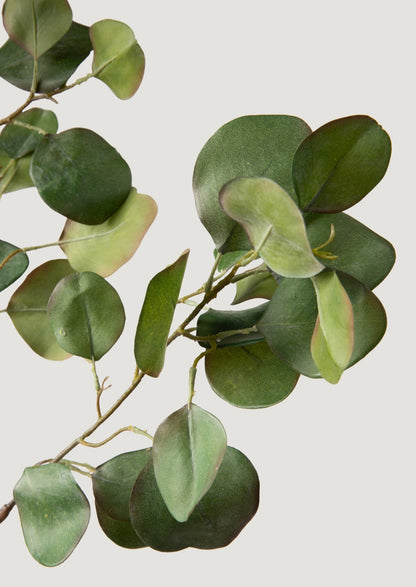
(14, 173)
(249, 146)
(18, 140)
(120, 532)
(27, 308)
(36, 25)
(53, 511)
(105, 247)
(118, 59)
(249, 376)
(340, 163)
(13, 268)
(81, 176)
(188, 448)
(261, 285)
(156, 317)
(55, 66)
(360, 252)
(274, 225)
(220, 516)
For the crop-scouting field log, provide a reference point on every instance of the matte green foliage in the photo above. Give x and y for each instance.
(260, 285)
(81, 176)
(75, 312)
(120, 532)
(53, 511)
(21, 136)
(14, 173)
(188, 448)
(13, 268)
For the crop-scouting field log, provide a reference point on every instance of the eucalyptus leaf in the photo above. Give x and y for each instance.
(119, 61)
(36, 25)
(21, 136)
(249, 146)
(249, 376)
(120, 532)
(259, 285)
(81, 176)
(14, 173)
(14, 267)
(86, 315)
(274, 225)
(156, 317)
(55, 66)
(340, 163)
(103, 248)
(27, 308)
(53, 511)
(222, 513)
(188, 448)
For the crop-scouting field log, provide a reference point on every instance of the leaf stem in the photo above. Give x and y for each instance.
(115, 434)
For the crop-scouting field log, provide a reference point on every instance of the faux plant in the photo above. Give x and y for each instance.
(272, 194)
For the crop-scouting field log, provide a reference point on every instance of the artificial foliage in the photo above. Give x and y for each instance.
(272, 193)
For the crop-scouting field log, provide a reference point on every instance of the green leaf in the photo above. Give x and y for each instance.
(274, 225)
(103, 248)
(260, 285)
(188, 448)
(118, 59)
(80, 175)
(333, 337)
(55, 66)
(156, 317)
(359, 251)
(14, 267)
(27, 308)
(86, 315)
(36, 25)
(249, 376)
(290, 319)
(53, 511)
(222, 513)
(340, 163)
(249, 146)
(21, 137)
(120, 532)
(14, 173)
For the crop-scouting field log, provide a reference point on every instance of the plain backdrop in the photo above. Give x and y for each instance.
(336, 463)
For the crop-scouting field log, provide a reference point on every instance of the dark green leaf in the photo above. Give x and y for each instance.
(249, 146)
(260, 285)
(249, 376)
(360, 252)
(53, 511)
(55, 66)
(219, 517)
(27, 308)
(156, 317)
(86, 315)
(36, 25)
(120, 532)
(14, 267)
(80, 175)
(340, 163)
(21, 137)
(14, 174)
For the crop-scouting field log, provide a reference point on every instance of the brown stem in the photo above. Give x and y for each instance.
(6, 509)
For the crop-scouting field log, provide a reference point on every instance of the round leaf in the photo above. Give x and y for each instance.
(80, 175)
(220, 516)
(249, 376)
(86, 315)
(53, 511)
(27, 308)
(120, 532)
(118, 59)
(20, 137)
(13, 268)
(103, 248)
(188, 448)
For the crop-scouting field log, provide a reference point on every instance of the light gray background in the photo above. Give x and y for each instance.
(336, 463)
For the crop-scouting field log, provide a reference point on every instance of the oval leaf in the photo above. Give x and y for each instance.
(103, 248)
(249, 146)
(81, 176)
(120, 532)
(260, 285)
(188, 448)
(274, 225)
(249, 376)
(221, 514)
(86, 315)
(21, 136)
(36, 25)
(118, 59)
(53, 511)
(340, 163)
(156, 317)
(27, 308)
(14, 174)
(14, 267)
